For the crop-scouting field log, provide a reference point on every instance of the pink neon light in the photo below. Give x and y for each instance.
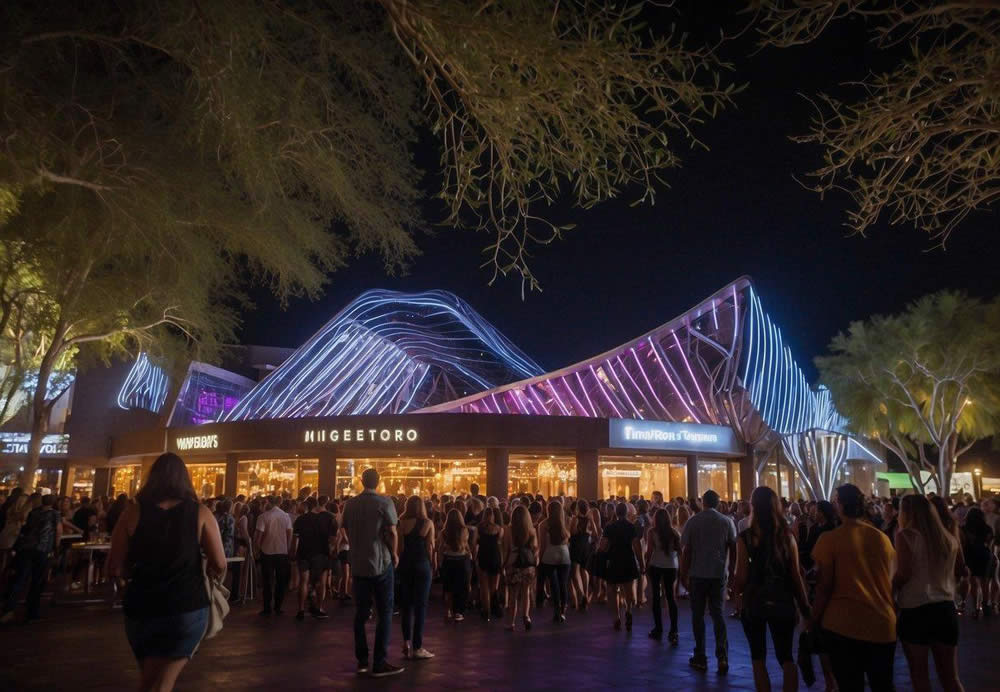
(518, 402)
(690, 372)
(555, 395)
(650, 384)
(586, 396)
(600, 385)
(671, 381)
(534, 395)
(569, 389)
(528, 399)
(634, 383)
(611, 367)
(494, 397)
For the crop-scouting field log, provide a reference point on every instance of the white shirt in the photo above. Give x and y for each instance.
(275, 525)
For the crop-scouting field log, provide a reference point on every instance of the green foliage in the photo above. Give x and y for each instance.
(927, 378)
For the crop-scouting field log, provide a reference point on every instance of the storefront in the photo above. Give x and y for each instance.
(126, 480)
(276, 476)
(415, 475)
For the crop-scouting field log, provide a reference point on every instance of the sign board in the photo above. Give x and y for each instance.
(673, 437)
(359, 435)
(17, 443)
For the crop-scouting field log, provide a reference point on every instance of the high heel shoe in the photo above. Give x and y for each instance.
(527, 624)
(618, 625)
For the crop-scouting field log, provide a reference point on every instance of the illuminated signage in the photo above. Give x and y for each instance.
(198, 442)
(354, 435)
(678, 437)
(620, 473)
(17, 443)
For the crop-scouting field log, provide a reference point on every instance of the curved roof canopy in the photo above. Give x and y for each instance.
(389, 352)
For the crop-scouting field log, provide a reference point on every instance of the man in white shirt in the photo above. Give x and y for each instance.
(273, 538)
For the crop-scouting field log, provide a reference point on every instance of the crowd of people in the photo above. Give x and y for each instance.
(858, 574)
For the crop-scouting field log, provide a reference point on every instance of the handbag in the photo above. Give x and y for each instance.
(218, 602)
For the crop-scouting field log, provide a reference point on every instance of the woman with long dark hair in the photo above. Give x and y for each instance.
(623, 547)
(555, 557)
(520, 562)
(489, 561)
(582, 531)
(157, 545)
(768, 577)
(662, 546)
(415, 546)
(456, 565)
(977, 546)
(925, 584)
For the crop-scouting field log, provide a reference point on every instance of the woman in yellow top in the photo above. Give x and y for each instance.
(853, 604)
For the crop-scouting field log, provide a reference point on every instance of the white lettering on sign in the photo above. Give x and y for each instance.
(198, 442)
(621, 473)
(17, 443)
(660, 435)
(362, 435)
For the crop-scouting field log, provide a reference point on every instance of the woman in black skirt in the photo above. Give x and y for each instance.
(621, 542)
(489, 562)
(582, 531)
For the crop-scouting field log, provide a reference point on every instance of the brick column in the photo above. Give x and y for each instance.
(748, 474)
(588, 481)
(232, 468)
(327, 483)
(102, 481)
(497, 463)
(692, 476)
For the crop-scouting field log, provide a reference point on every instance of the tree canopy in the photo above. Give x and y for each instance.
(160, 156)
(921, 142)
(924, 383)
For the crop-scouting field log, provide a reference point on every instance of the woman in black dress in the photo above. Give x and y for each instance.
(489, 562)
(977, 546)
(621, 542)
(157, 545)
(582, 530)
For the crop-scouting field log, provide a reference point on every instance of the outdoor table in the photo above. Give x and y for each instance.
(229, 561)
(91, 548)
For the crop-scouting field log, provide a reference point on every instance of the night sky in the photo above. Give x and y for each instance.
(732, 210)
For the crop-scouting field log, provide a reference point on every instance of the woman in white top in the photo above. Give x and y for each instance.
(662, 544)
(925, 583)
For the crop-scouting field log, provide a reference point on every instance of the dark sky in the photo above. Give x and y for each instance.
(730, 211)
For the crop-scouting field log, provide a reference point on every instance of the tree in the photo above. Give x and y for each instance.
(921, 144)
(925, 383)
(157, 157)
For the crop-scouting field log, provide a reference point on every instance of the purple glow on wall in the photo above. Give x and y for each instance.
(600, 385)
(671, 381)
(652, 391)
(611, 369)
(579, 406)
(585, 394)
(694, 379)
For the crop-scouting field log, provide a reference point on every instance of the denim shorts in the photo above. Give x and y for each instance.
(169, 636)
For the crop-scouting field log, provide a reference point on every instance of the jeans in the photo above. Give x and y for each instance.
(853, 659)
(378, 589)
(275, 571)
(665, 576)
(708, 591)
(28, 565)
(414, 590)
(559, 585)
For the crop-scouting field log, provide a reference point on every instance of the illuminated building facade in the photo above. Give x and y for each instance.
(424, 389)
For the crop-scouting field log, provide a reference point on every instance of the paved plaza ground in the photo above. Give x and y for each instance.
(84, 648)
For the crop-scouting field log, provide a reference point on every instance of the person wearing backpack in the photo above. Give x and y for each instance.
(37, 541)
(769, 580)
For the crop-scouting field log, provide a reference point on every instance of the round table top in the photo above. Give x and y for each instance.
(235, 558)
(90, 546)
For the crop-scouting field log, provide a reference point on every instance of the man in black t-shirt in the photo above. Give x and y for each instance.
(85, 518)
(313, 533)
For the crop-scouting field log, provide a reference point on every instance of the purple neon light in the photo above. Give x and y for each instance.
(555, 395)
(635, 408)
(650, 384)
(600, 385)
(585, 395)
(569, 389)
(534, 395)
(691, 372)
(634, 383)
(671, 381)
(524, 410)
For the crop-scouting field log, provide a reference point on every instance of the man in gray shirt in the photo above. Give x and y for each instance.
(370, 522)
(708, 540)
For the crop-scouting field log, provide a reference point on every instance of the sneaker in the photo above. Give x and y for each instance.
(421, 654)
(698, 663)
(362, 669)
(384, 670)
(320, 614)
(300, 616)
(723, 665)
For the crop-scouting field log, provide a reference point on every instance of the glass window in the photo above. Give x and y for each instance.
(209, 480)
(126, 479)
(81, 482)
(547, 474)
(713, 475)
(630, 476)
(414, 475)
(267, 477)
